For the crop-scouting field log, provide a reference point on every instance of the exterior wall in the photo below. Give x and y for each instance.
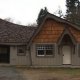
(50, 32)
(75, 57)
(45, 61)
(18, 60)
(57, 60)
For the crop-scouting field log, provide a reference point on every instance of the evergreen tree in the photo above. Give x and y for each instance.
(41, 15)
(78, 14)
(71, 12)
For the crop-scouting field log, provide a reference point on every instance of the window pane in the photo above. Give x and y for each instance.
(49, 52)
(40, 52)
(45, 49)
(40, 47)
(21, 51)
(48, 47)
(79, 50)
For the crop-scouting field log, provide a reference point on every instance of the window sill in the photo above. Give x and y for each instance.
(45, 56)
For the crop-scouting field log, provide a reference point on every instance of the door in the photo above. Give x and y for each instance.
(4, 54)
(66, 50)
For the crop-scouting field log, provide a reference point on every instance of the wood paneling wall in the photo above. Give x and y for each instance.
(76, 33)
(50, 32)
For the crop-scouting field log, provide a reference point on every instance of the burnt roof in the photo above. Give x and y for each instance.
(14, 33)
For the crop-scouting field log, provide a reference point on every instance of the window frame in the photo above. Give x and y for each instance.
(53, 50)
(22, 53)
(79, 50)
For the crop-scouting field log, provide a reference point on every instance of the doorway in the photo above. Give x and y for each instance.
(4, 54)
(66, 51)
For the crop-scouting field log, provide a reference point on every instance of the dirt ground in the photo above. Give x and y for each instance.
(23, 73)
(50, 73)
(9, 73)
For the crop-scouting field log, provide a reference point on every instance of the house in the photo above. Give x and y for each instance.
(55, 42)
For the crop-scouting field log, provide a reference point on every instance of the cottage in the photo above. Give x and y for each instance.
(55, 42)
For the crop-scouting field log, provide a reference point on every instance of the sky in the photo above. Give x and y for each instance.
(25, 12)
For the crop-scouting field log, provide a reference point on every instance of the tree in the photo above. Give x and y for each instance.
(59, 12)
(8, 19)
(32, 25)
(72, 10)
(42, 14)
(12, 20)
(78, 14)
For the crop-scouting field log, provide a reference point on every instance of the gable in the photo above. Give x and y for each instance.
(67, 37)
(50, 32)
(76, 33)
(51, 29)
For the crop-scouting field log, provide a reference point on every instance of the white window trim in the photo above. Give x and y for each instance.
(44, 50)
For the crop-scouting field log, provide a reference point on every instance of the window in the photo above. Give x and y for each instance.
(45, 50)
(79, 50)
(21, 50)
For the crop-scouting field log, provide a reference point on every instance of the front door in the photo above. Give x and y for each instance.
(66, 50)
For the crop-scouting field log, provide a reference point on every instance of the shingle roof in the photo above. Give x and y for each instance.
(13, 33)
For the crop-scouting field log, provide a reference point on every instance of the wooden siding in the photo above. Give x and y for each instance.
(50, 32)
(18, 60)
(76, 34)
(45, 60)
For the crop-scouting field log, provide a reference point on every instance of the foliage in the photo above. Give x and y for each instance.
(32, 25)
(8, 19)
(59, 12)
(72, 12)
(41, 15)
